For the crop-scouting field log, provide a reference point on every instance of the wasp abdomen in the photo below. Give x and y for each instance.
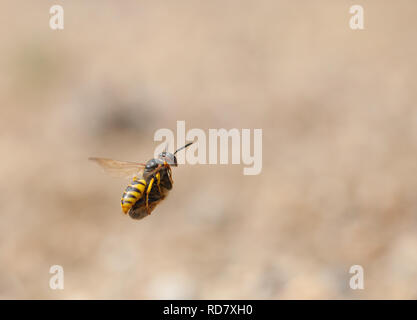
(132, 194)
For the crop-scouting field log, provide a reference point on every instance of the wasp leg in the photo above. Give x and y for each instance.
(158, 182)
(168, 167)
(148, 190)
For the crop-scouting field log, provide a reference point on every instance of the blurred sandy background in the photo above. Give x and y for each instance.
(339, 118)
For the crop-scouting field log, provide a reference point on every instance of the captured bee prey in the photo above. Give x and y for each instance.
(151, 181)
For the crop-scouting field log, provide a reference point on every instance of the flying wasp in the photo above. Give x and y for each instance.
(151, 181)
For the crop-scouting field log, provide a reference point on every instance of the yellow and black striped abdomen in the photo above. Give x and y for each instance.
(132, 194)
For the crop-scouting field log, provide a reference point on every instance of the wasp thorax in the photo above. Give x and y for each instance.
(151, 164)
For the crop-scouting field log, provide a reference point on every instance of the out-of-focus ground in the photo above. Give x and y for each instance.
(339, 118)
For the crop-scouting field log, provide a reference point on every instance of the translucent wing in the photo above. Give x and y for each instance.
(122, 169)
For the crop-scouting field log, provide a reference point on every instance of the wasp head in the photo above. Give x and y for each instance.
(170, 158)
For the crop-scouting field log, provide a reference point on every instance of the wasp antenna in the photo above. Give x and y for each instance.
(187, 145)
